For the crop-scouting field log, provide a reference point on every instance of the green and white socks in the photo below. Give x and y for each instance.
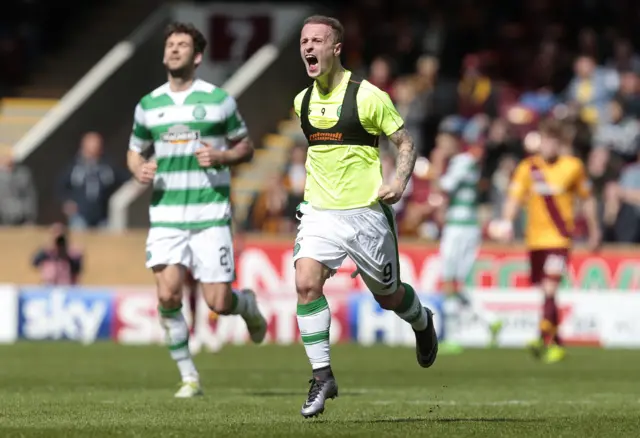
(177, 335)
(314, 322)
(411, 309)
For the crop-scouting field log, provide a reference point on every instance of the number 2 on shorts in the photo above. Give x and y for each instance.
(224, 258)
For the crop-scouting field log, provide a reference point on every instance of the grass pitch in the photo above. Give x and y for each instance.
(103, 390)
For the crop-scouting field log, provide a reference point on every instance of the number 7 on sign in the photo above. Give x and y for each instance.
(242, 32)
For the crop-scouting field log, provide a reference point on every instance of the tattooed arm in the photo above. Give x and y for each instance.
(407, 155)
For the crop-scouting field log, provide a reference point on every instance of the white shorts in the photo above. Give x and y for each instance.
(367, 235)
(459, 248)
(207, 252)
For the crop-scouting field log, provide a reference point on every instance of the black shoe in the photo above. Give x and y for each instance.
(427, 343)
(319, 392)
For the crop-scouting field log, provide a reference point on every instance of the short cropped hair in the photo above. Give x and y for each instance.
(336, 27)
(199, 42)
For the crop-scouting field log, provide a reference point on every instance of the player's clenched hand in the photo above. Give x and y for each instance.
(390, 193)
(146, 172)
(208, 156)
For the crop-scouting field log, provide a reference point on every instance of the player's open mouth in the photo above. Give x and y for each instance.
(312, 62)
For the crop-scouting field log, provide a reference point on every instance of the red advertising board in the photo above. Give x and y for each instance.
(267, 266)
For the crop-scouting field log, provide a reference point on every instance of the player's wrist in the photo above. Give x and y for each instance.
(137, 170)
(399, 184)
(224, 159)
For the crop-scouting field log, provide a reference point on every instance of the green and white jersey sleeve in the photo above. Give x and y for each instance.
(460, 182)
(186, 195)
(140, 135)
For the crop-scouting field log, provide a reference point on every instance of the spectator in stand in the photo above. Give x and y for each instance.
(407, 50)
(629, 93)
(500, 182)
(380, 74)
(591, 89)
(296, 175)
(500, 142)
(273, 209)
(621, 133)
(18, 197)
(603, 169)
(59, 264)
(412, 107)
(477, 93)
(624, 58)
(426, 74)
(86, 186)
(627, 192)
(589, 44)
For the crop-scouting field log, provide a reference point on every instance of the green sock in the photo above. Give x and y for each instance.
(411, 309)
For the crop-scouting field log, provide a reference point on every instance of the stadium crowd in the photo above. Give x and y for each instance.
(487, 70)
(490, 78)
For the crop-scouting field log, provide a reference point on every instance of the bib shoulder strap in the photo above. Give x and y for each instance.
(304, 108)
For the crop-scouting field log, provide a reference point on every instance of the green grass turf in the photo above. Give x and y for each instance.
(68, 390)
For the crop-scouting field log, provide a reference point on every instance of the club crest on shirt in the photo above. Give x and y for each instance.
(199, 112)
(339, 110)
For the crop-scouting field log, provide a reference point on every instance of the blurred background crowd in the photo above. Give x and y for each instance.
(491, 69)
(495, 69)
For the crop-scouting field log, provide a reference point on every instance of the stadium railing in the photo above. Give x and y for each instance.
(103, 100)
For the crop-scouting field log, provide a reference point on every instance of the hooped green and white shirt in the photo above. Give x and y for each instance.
(460, 182)
(185, 195)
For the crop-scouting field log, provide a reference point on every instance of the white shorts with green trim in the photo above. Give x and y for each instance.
(367, 235)
(459, 246)
(207, 252)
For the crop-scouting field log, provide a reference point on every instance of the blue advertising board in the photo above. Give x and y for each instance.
(58, 313)
(370, 324)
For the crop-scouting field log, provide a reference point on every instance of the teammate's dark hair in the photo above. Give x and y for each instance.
(199, 42)
(333, 23)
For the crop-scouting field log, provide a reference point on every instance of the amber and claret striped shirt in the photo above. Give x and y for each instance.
(549, 191)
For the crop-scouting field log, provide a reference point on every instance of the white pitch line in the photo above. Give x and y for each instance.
(487, 403)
